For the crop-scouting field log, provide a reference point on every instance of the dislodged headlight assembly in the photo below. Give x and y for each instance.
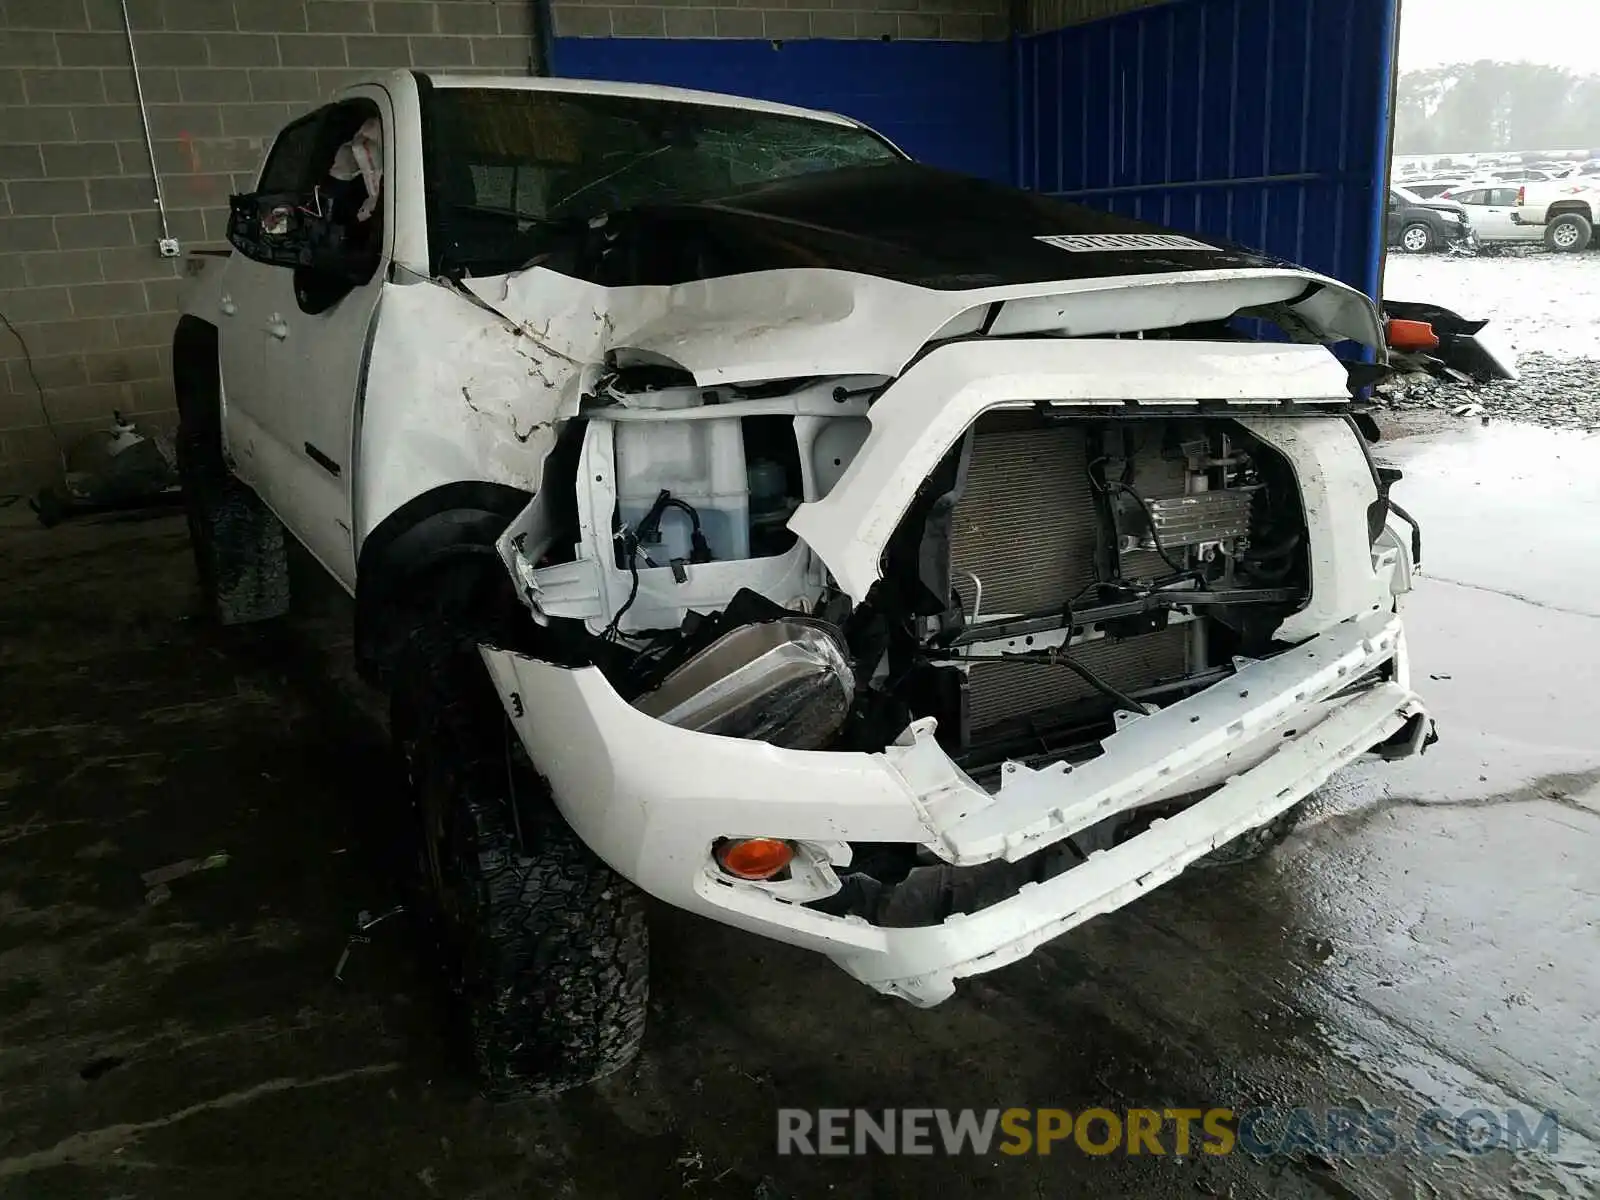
(786, 681)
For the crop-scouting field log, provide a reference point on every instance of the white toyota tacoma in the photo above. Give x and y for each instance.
(890, 563)
(1562, 211)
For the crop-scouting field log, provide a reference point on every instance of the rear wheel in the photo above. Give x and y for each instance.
(541, 947)
(238, 543)
(1568, 233)
(1416, 239)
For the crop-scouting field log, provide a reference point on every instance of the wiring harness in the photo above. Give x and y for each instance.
(648, 530)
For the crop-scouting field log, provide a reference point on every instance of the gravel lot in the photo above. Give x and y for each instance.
(1543, 308)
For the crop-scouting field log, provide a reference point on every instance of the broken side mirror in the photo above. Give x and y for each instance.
(286, 230)
(269, 227)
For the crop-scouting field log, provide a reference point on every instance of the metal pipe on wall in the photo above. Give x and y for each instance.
(168, 246)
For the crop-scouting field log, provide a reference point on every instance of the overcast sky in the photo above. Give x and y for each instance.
(1436, 32)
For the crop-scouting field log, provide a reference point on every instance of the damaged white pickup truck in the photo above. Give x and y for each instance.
(894, 564)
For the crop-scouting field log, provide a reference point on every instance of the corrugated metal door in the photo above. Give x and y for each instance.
(1264, 121)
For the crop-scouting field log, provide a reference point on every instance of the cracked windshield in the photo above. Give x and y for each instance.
(507, 161)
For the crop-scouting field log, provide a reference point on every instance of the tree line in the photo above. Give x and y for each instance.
(1485, 105)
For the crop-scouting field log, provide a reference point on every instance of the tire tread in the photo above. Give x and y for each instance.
(553, 977)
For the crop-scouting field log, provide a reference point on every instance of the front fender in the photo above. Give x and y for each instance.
(453, 393)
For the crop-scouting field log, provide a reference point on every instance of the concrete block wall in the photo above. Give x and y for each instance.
(777, 20)
(1042, 15)
(80, 277)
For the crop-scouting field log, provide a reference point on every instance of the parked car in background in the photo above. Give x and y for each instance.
(1492, 213)
(1418, 225)
(1562, 211)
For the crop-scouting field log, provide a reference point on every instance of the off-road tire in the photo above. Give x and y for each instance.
(1575, 242)
(541, 948)
(239, 550)
(1255, 843)
(1430, 242)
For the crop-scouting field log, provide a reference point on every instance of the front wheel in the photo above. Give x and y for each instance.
(542, 948)
(1568, 233)
(1416, 239)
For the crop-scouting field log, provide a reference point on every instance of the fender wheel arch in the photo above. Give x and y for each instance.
(429, 562)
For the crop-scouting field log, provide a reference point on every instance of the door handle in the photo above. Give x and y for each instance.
(277, 327)
(227, 306)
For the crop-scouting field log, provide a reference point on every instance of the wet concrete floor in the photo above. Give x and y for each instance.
(1429, 939)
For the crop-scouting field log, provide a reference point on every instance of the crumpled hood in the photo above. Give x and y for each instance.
(906, 222)
(819, 277)
(855, 271)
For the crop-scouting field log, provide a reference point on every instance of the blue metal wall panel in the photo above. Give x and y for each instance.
(945, 103)
(1264, 121)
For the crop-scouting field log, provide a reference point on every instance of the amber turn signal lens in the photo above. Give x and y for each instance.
(753, 858)
(1412, 335)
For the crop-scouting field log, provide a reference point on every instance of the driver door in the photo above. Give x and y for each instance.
(251, 292)
(316, 347)
(297, 319)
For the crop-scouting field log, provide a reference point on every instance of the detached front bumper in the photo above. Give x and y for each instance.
(651, 799)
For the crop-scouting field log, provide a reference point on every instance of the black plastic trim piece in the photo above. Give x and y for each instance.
(433, 213)
(323, 461)
(1416, 533)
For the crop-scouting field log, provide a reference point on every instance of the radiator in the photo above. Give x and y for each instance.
(1026, 526)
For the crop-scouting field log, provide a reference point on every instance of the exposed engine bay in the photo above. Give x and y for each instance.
(1054, 575)
(1011, 635)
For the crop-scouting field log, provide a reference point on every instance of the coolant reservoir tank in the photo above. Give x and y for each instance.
(767, 483)
(700, 462)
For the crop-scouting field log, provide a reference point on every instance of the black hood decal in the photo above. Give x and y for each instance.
(899, 220)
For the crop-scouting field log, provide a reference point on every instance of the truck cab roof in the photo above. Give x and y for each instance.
(597, 87)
